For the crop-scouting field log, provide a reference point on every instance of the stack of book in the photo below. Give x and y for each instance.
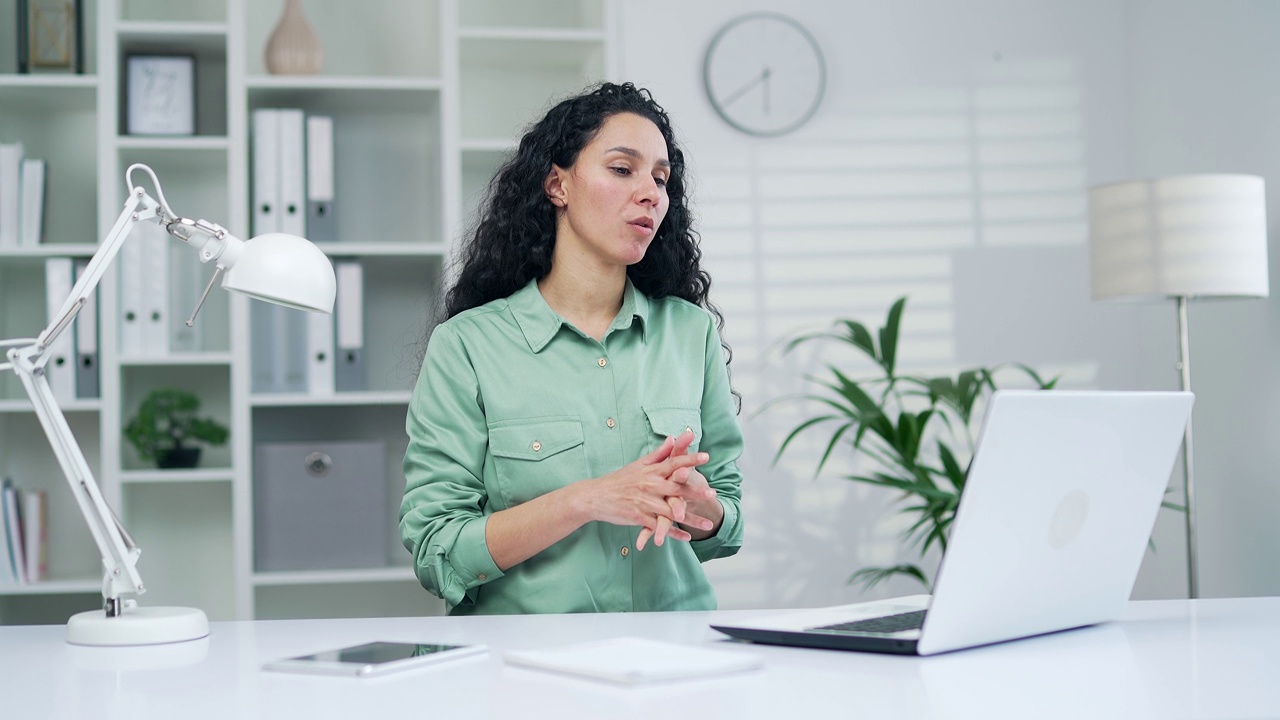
(24, 548)
(21, 198)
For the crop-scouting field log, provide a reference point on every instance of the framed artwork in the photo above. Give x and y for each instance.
(161, 94)
(51, 36)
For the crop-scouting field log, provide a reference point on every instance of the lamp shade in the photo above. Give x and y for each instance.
(1179, 236)
(283, 269)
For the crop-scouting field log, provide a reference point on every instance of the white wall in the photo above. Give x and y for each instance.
(949, 162)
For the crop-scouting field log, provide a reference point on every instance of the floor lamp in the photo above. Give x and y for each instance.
(1180, 237)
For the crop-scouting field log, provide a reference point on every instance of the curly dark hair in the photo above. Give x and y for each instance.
(515, 233)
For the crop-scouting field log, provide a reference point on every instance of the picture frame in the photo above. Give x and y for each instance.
(160, 94)
(50, 36)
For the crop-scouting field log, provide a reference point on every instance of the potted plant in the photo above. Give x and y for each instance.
(166, 426)
(908, 433)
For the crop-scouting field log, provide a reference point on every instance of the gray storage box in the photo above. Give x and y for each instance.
(320, 506)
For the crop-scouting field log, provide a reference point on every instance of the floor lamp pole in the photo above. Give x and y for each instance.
(1188, 469)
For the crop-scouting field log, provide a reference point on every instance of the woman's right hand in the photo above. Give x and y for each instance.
(636, 494)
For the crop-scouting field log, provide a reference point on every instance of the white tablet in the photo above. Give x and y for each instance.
(375, 658)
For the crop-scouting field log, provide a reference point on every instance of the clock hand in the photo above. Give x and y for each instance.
(728, 99)
(765, 78)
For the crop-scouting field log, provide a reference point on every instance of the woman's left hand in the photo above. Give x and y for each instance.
(699, 518)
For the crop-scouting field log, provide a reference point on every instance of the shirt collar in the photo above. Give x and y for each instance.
(540, 323)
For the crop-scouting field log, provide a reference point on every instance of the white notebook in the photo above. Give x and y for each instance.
(633, 661)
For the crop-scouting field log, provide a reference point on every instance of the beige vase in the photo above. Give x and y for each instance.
(293, 48)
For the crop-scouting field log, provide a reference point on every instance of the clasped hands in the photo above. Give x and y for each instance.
(658, 491)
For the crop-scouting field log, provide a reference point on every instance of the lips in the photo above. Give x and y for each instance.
(644, 222)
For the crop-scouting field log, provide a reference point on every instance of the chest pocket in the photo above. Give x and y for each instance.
(533, 457)
(672, 421)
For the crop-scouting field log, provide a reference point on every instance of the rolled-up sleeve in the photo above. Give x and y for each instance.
(722, 441)
(442, 515)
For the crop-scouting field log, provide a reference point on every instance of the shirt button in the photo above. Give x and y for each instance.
(602, 362)
(610, 422)
(537, 446)
(626, 551)
(482, 576)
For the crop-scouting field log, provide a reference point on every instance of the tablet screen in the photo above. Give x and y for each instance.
(377, 653)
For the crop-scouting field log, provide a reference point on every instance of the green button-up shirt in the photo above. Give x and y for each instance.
(514, 402)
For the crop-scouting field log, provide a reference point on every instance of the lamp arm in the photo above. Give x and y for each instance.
(28, 361)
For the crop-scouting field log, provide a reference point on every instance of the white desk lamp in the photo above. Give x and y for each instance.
(278, 268)
(1181, 237)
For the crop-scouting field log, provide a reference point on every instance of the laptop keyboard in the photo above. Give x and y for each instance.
(885, 625)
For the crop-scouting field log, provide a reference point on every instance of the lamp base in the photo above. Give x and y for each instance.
(137, 626)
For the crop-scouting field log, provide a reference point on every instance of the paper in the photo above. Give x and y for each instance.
(632, 660)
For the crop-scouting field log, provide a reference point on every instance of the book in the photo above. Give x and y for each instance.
(61, 369)
(13, 533)
(31, 216)
(631, 660)
(321, 224)
(349, 365)
(35, 534)
(86, 340)
(10, 194)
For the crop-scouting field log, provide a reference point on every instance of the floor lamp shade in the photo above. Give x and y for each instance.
(1179, 236)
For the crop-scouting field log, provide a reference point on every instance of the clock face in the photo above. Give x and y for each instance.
(764, 74)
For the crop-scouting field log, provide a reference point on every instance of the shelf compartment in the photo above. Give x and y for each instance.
(186, 535)
(319, 425)
(29, 460)
(55, 119)
(506, 14)
(371, 38)
(507, 84)
(9, 41)
(211, 384)
(207, 42)
(24, 314)
(396, 307)
(377, 135)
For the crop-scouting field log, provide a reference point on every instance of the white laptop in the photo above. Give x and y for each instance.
(1051, 529)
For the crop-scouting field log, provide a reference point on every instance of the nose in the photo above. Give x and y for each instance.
(649, 193)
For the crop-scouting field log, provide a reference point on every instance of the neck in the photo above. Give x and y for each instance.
(589, 298)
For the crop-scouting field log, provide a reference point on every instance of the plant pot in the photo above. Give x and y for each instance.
(181, 458)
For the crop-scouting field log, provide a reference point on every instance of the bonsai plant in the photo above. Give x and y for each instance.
(166, 426)
(916, 432)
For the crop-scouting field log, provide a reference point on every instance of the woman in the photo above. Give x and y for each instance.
(575, 405)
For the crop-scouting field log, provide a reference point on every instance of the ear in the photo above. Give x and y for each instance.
(554, 186)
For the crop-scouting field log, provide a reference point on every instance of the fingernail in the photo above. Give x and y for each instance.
(703, 457)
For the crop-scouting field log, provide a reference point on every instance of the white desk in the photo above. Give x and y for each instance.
(1169, 659)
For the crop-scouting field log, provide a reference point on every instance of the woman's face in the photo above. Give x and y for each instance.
(614, 197)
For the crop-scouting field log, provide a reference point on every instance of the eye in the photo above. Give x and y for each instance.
(621, 170)
(660, 181)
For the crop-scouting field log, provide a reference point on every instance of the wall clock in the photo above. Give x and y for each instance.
(764, 74)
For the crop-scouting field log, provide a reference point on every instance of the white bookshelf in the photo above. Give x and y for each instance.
(427, 98)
